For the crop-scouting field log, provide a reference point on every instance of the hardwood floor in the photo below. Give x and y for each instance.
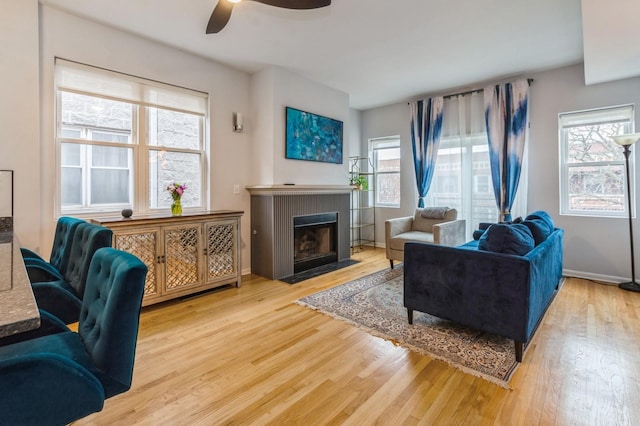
(252, 356)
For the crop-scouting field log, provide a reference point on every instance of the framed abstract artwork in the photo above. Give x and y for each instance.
(313, 137)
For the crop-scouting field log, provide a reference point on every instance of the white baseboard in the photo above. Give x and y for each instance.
(604, 279)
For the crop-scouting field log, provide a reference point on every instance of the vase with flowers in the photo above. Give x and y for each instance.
(176, 190)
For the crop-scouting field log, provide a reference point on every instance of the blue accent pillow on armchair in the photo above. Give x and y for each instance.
(508, 239)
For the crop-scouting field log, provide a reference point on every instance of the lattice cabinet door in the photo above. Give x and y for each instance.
(221, 250)
(182, 259)
(144, 245)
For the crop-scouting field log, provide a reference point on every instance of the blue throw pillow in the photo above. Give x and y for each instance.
(508, 239)
(539, 229)
(544, 216)
(540, 224)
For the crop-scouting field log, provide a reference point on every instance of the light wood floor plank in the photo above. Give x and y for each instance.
(252, 356)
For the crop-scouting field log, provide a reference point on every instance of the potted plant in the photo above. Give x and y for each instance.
(359, 181)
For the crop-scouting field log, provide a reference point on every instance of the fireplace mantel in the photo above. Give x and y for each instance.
(298, 189)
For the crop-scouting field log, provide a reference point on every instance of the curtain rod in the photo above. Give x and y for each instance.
(468, 92)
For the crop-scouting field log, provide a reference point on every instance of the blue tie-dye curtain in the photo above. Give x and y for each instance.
(505, 107)
(426, 126)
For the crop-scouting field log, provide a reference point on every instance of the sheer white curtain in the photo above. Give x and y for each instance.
(462, 178)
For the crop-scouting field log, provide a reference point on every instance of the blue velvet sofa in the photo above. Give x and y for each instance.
(501, 283)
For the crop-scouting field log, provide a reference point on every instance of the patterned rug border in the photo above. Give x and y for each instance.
(376, 277)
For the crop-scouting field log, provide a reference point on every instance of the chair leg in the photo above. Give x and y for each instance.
(410, 315)
(519, 351)
(391, 263)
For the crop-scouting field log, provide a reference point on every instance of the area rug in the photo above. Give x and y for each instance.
(375, 304)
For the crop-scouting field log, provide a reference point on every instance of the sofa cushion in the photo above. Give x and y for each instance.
(508, 239)
(397, 242)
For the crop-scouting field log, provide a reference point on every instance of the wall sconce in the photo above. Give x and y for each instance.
(237, 122)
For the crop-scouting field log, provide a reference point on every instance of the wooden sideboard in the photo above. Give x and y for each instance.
(185, 254)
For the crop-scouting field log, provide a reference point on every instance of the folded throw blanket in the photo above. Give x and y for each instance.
(434, 212)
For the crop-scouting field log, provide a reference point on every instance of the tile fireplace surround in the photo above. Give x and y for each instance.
(273, 208)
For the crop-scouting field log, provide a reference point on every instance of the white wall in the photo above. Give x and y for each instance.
(290, 89)
(32, 38)
(393, 120)
(77, 39)
(20, 113)
(355, 135)
(596, 248)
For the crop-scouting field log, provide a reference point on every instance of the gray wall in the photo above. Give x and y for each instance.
(596, 248)
(19, 113)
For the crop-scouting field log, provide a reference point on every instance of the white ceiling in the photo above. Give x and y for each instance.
(377, 51)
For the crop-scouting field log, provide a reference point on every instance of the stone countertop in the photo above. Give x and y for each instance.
(18, 308)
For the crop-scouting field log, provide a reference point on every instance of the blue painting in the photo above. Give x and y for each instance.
(313, 137)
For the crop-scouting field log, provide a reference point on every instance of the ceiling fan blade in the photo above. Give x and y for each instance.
(296, 4)
(220, 16)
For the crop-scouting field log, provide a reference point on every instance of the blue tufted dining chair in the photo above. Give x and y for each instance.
(39, 269)
(62, 377)
(63, 297)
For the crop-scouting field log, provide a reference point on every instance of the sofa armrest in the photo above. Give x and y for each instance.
(393, 227)
(450, 234)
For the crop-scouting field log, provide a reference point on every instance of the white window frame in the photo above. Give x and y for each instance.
(623, 114)
(375, 145)
(142, 94)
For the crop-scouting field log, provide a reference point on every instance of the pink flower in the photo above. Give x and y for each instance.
(176, 190)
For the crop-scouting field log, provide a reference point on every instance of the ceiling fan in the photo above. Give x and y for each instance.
(222, 11)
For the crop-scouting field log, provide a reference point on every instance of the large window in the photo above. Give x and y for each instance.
(592, 165)
(121, 140)
(386, 160)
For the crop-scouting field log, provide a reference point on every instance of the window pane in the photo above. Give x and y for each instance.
(174, 167)
(71, 154)
(71, 186)
(109, 137)
(593, 165)
(388, 188)
(593, 143)
(174, 129)
(597, 189)
(97, 113)
(71, 133)
(388, 160)
(462, 180)
(106, 156)
(109, 186)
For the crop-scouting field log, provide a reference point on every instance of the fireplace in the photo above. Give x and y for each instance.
(278, 212)
(314, 242)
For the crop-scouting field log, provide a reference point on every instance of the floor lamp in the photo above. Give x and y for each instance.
(626, 141)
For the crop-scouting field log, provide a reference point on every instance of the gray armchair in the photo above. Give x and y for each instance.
(436, 225)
